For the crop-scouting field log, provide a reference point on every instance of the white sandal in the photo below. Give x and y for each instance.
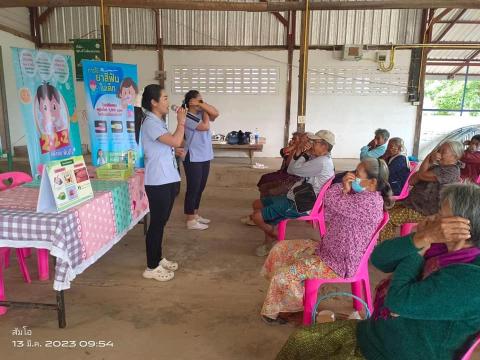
(168, 265)
(159, 274)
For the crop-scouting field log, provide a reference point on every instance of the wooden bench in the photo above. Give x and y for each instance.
(250, 149)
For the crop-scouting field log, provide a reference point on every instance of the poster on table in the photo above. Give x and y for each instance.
(110, 91)
(46, 93)
(86, 49)
(65, 183)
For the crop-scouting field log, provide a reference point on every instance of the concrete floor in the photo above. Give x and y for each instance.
(209, 311)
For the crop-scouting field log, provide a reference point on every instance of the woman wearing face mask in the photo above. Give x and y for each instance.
(199, 152)
(397, 164)
(353, 211)
(427, 308)
(441, 167)
(161, 176)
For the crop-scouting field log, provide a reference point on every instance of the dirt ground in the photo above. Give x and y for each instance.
(210, 311)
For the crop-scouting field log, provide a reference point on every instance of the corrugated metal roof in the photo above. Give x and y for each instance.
(133, 26)
(183, 27)
(457, 33)
(214, 28)
(129, 26)
(16, 19)
(68, 23)
(451, 54)
(366, 27)
(449, 69)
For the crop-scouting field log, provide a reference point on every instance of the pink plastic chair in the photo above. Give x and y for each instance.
(10, 180)
(470, 351)
(478, 180)
(316, 215)
(406, 187)
(360, 282)
(4, 255)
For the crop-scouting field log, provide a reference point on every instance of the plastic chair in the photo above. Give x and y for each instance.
(360, 282)
(4, 254)
(478, 180)
(407, 228)
(406, 187)
(316, 215)
(470, 351)
(10, 180)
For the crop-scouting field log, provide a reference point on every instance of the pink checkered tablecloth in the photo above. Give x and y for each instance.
(77, 237)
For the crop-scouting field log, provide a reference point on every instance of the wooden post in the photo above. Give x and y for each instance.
(303, 68)
(106, 32)
(159, 42)
(35, 26)
(291, 46)
(426, 34)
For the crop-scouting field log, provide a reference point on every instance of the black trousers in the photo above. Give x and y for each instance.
(160, 200)
(197, 176)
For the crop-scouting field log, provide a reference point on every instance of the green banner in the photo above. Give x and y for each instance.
(86, 49)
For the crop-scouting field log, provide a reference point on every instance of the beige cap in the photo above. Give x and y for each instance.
(325, 135)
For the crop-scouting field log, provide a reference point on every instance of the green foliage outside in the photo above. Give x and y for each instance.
(447, 95)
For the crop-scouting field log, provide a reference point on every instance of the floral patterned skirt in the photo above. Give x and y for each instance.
(288, 264)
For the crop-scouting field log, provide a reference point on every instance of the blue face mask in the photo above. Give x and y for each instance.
(356, 187)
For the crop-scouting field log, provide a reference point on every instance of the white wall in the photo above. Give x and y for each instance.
(17, 130)
(353, 119)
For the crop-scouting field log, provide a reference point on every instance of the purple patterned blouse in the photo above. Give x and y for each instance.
(351, 220)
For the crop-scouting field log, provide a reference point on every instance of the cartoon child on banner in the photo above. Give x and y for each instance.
(52, 119)
(127, 93)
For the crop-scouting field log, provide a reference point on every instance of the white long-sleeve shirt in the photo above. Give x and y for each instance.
(316, 171)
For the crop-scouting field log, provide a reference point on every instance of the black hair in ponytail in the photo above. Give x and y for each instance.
(378, 169)
(192, 94)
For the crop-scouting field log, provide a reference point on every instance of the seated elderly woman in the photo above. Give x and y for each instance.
(279, 182)
(471, 159)
(353, 211)
(377, 146)
(440, 167)
(428, 308)
(313, 163)
(398, 165)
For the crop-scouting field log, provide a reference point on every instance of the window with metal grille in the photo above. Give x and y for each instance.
(357, 81)
(226, 80)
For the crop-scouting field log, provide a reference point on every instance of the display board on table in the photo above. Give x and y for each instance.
(111, 90)
(65, 184)
(46, 93)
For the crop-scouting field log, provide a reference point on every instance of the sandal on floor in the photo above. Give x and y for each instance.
(159, 274)
(168, 265)
(277, 321)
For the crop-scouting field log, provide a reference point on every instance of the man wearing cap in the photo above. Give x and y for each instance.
(312, 161)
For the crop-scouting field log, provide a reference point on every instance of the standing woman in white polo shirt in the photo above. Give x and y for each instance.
(199, 152)
(161, 176)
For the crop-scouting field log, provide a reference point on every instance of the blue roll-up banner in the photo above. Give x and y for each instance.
(110, 93)
(46, 93)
